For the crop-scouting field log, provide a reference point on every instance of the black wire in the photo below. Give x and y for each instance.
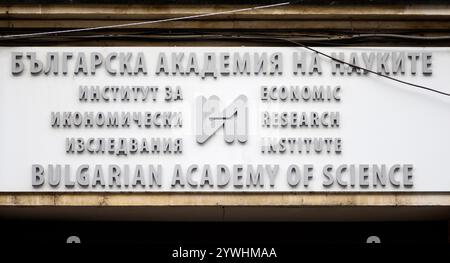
(368, 70)
(349, 64)
(355, 66)
(265, 37)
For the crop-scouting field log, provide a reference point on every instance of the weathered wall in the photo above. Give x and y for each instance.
(227, 199)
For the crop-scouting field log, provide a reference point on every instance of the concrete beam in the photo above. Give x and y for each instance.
(295, 17)
(349, 25)
(298, 12)
(224, 199)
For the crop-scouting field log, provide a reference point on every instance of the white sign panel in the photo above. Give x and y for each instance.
(232, 119)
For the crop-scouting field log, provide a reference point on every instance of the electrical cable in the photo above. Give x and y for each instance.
(292, 40)
(143, 22)
(351, 65)
(368, 70)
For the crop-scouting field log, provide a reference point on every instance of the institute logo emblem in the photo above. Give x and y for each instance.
(210, 118)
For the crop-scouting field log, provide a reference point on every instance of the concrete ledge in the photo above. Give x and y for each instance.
(299, 12)
(292, 17)
(380, 25)
(224, 199)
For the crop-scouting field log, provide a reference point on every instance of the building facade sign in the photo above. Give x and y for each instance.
(223, 119)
